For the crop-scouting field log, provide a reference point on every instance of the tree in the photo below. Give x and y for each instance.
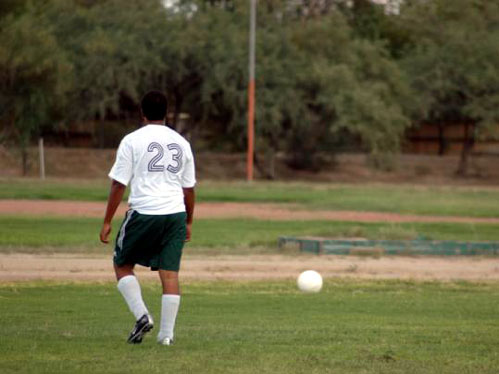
(318, 76)
(111, 45)
(11, 6)
(454, 66)
(340, 85)
(33, 76)
(314, 81)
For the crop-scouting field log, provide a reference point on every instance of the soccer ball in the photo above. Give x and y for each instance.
(309, 281)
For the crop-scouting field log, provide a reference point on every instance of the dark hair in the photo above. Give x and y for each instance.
(154, 106)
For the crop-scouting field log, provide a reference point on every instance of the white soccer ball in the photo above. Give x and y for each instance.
(309, 281)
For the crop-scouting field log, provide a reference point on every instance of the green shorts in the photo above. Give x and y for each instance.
(155, 241)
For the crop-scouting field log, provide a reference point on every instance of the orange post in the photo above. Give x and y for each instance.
(251, 92)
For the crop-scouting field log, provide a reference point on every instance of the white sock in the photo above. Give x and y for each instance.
(130, 289)
(169, 310)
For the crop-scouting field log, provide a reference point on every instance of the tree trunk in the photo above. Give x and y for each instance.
(468, 143)
(261, 168)
(272, 164)
(24, 158)
(441, 140)
(178, 108)
(270, 157)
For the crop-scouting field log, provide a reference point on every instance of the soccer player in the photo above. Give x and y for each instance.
(158, 164)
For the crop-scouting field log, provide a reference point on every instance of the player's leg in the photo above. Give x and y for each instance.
(128, 243)
(129, 287)
(123, 270)
(170, 302)
(169, 265)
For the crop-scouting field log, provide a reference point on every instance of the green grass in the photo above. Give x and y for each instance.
(350, 327)
(475, 202)
(57, 234)
(31, 189)
(382, 198)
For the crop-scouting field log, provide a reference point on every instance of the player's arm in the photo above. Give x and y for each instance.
(113, 201)
(120, 174)
(189, 200)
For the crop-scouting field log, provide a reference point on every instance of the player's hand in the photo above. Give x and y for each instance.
(188, 232)
(104, 232)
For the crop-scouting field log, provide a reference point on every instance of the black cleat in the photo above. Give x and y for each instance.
(143, 325)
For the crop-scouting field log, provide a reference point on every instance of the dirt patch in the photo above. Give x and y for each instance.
(27, 267)
(226, 210)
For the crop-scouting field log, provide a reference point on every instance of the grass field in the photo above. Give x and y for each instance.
(350, 327)
(32, 234)
(475, 202)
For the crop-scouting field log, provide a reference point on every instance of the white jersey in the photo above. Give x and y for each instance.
(158, 163)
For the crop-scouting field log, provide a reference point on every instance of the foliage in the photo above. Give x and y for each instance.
(312, 82)
(454, 65)
(34, 75)
(329, 73)
(110, 44)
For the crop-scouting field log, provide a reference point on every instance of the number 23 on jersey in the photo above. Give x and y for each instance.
(156, 164)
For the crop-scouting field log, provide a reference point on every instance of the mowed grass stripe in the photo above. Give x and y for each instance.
(35, 189)
(350, 327)
(445, 201)
(440, 201)
(81, 234)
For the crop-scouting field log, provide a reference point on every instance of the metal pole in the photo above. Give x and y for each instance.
(251, 92)
(42, 158)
